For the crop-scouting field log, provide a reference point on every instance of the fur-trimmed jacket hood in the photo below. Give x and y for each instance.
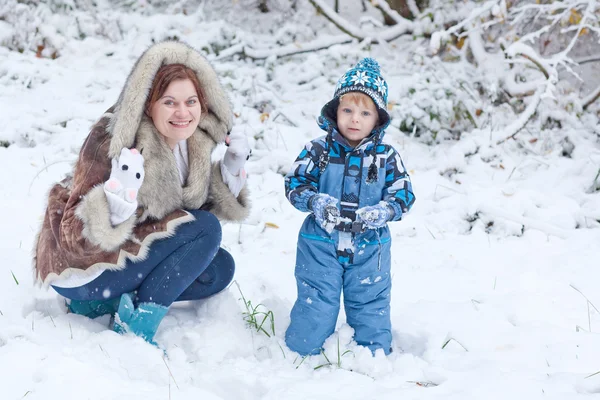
(77, 238)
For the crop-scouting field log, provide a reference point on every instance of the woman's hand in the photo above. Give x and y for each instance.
(238, 151)
(232, 167)
(121, 189)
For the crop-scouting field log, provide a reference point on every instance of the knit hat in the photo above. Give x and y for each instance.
(364, 77)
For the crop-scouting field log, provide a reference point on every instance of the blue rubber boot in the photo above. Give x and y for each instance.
(94, 308)
(142, 321)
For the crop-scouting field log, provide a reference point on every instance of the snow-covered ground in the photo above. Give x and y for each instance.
(495, 270)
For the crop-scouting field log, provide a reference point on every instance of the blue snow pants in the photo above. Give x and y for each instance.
(190, 265)
(321, 278)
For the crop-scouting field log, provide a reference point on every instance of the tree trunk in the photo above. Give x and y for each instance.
(401, 6)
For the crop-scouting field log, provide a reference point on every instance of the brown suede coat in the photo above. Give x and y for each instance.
(77, 238)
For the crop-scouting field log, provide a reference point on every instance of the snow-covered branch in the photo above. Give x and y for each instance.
(469, 24)
(403, 25)
(288, 50)
(520, 49)
(473, 17)
(414, 9)
(543, 87)
(337, 20)
(529, 223)
(591, 6)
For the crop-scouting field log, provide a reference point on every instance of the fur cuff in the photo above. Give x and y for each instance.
(222, 202)
(93, 211)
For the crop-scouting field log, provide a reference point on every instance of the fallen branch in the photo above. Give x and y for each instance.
(529, 223)
(513, 129)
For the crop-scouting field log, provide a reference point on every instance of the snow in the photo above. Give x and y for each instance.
(495, 270)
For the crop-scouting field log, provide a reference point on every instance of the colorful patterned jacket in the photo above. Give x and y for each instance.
(358, 177)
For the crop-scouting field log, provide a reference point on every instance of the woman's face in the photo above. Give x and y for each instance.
(177, 113)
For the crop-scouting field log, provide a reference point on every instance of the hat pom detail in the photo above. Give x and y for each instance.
(369, 64)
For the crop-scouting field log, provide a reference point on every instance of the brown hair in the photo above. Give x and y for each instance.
(358, 98)
(174, 72)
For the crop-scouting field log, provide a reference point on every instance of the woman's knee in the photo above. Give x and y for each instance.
(206, 225)
(226, 266)
(220, 271)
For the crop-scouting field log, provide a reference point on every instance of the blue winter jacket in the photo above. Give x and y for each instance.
(358, 177)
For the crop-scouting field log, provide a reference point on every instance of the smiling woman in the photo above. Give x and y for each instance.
(176, 102)
(136, 226)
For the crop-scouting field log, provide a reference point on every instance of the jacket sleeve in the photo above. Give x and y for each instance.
(398, 188)
(85, 226)
(222, 202)
(302, 182)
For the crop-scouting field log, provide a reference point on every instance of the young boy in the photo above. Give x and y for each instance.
(352, 184)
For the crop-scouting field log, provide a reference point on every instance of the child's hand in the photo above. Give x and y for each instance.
(375, 216)
(324, 207)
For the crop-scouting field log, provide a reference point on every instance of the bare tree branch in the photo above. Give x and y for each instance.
(537, 64)
(588, 59)
(592, 97)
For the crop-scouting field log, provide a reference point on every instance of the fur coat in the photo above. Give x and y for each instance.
(77, 238)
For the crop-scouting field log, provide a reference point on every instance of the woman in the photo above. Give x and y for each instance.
(135, 227)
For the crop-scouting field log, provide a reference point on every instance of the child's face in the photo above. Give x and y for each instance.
(355, 119)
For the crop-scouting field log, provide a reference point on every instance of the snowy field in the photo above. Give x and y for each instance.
(495, 270)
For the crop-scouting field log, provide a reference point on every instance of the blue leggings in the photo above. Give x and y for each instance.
(190, 265)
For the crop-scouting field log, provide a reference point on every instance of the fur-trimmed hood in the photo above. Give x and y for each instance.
(129, 109)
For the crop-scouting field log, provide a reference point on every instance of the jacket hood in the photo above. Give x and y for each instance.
(129, 109)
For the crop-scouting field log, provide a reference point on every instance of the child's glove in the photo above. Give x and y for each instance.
(376, 216)
(232, 167)
(324, 207)
(121, 189)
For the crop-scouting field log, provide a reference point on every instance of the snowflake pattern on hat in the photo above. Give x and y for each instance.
(365, 77)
